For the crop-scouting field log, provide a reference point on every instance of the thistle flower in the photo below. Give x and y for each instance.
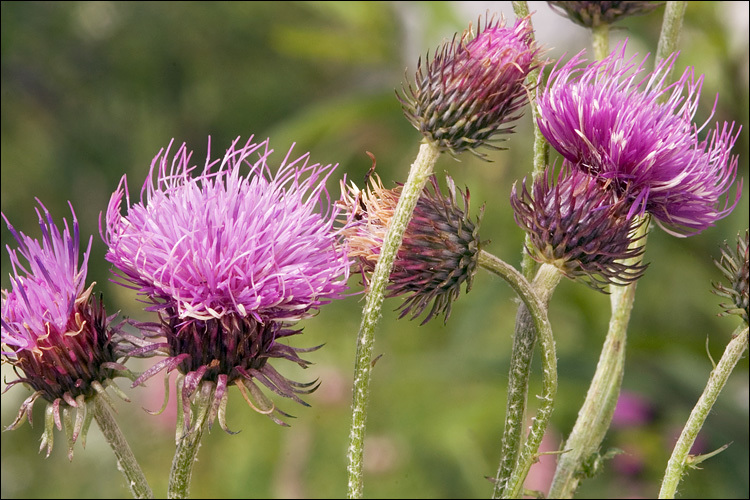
(230, 261)
(55, 335)
(473, 88)
(636, 134)
(734, 266)
(590, 14)
(439, 251)
(577, 224)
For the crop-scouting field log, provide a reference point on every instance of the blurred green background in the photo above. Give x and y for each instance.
(92, 90)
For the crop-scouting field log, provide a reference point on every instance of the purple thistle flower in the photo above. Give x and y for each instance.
(638, 136)
(229, 260)
(439, 252)
(56, 336)
(577, 225)
(474, 86)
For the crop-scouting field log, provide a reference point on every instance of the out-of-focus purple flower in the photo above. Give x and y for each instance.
(734, 266)
(56, 336)
(229, 258)
(473, 88)
(577, 225)
(632, 410)
(590, 14)
(439, 251)
(636, 133)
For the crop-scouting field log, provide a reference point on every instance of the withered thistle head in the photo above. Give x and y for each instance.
(590, 14)
(734, 266)
(55, 334)
(439, 251)
(577, 224)
(473, 88)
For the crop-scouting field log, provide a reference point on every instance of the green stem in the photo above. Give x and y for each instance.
(126, 461)
(189, 444)
(546, 280)
(419, 173)
(600, 40)
(674, 13)
(541, 146)
(595, 416)
(680, 455)
(524, 341)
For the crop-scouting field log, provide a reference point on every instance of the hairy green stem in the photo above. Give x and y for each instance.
(536, 304)
(674, 13)
(189, 443)
(126, 461)
(541, 147)
(600, 40)
(419, 173)
(595, 416)
(681, 458)
(524, 341)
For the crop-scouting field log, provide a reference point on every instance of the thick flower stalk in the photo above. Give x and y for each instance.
(55, 334)
(592, 14)
(230, 259)
(636, 134)
(733, 264)
(439, 251)
(473, 88)
(577, 224)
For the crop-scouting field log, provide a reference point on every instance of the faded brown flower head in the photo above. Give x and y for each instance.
(590, 14)
(439, 251)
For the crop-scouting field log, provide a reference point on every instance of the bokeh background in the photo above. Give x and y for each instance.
(93, 90)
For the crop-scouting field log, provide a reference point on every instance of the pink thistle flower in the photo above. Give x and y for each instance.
(473, 88)
(611, 123)
(54, 334)
(229, 259)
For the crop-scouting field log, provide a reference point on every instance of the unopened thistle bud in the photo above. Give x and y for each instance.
(54, 334)
(575, 223)
(439, 251)
(734, 266)
(473, 88)
(590, 14)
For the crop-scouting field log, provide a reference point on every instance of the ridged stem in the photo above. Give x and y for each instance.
(681, 457)
(419, 173)
(189, 444)
(541, 146)
(126, 461)
(595, 416)
(531, 318)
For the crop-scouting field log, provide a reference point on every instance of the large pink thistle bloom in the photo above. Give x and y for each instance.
(229, 258)
(636, 133)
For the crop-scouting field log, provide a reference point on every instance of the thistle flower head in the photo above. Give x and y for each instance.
(439, 250)
(637, 134)
(229, 258)
(54, 334)
(473, 88)
(590, 14)
(576, 224)
(734, 266)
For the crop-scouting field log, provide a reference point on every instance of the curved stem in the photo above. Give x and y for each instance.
(524, 341)
(125, 459)
(512, 473)
(419, 173)
(674, 12)
(680, 455)
(188, 445)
